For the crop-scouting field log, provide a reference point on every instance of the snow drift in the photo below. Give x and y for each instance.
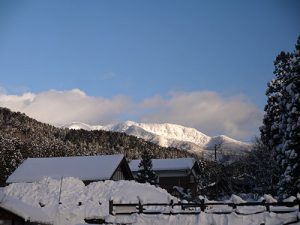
(78, 202)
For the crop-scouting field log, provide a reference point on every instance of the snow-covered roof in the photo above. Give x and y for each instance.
(83, 167)
(166, 164)
(23, 210)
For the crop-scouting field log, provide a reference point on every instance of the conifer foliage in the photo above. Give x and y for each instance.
(146, 173)
(281, 124)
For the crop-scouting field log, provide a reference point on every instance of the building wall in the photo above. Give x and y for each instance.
(184, 178)
(119, 174)
(169, 182)
(172, 173)
(123, 172)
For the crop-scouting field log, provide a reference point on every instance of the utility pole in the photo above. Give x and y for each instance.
(60, 189)
(217, 146)
(215, 152)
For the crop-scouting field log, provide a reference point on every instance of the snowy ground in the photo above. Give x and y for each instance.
(79, 202)
(207, 219)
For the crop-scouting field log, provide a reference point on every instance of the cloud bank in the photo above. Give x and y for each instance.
(61, 107)
(207, 111)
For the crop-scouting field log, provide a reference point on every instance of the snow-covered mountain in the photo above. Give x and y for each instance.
(172, 135)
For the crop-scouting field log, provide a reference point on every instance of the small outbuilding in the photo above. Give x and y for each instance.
(180, 172)
(16, 212)
(86, 168)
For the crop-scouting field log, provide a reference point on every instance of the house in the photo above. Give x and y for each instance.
(86, 168)
(180, 172)
(16, 212)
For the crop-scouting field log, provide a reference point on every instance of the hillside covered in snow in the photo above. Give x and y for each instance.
(172, 135)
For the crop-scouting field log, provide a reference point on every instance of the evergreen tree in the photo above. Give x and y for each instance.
(262, 170)
(146, 173)
(281, 124)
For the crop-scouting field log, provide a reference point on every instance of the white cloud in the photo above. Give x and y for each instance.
(209, 112)
(60, 107)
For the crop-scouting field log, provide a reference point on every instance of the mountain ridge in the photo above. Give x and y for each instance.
(170, 135)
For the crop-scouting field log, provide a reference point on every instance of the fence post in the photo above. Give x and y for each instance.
(111, 206)
(172, 205)
(298, 200)
(140, 207)
(181, 205)
(267, 205)
(202, 206)
(234, 206)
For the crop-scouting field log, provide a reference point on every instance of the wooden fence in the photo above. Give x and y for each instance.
(196, 208)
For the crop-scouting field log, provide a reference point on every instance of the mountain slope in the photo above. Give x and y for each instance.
(172, 135)
(22, 137)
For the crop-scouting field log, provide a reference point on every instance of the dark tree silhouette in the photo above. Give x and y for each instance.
(146, 173)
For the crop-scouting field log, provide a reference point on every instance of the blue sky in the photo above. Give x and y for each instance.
(144, 50)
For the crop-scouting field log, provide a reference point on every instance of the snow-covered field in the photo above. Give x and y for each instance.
(79, 202)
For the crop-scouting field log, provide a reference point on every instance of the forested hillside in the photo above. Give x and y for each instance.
(22, 137)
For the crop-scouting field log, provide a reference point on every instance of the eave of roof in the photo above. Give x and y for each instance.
(166, 164)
